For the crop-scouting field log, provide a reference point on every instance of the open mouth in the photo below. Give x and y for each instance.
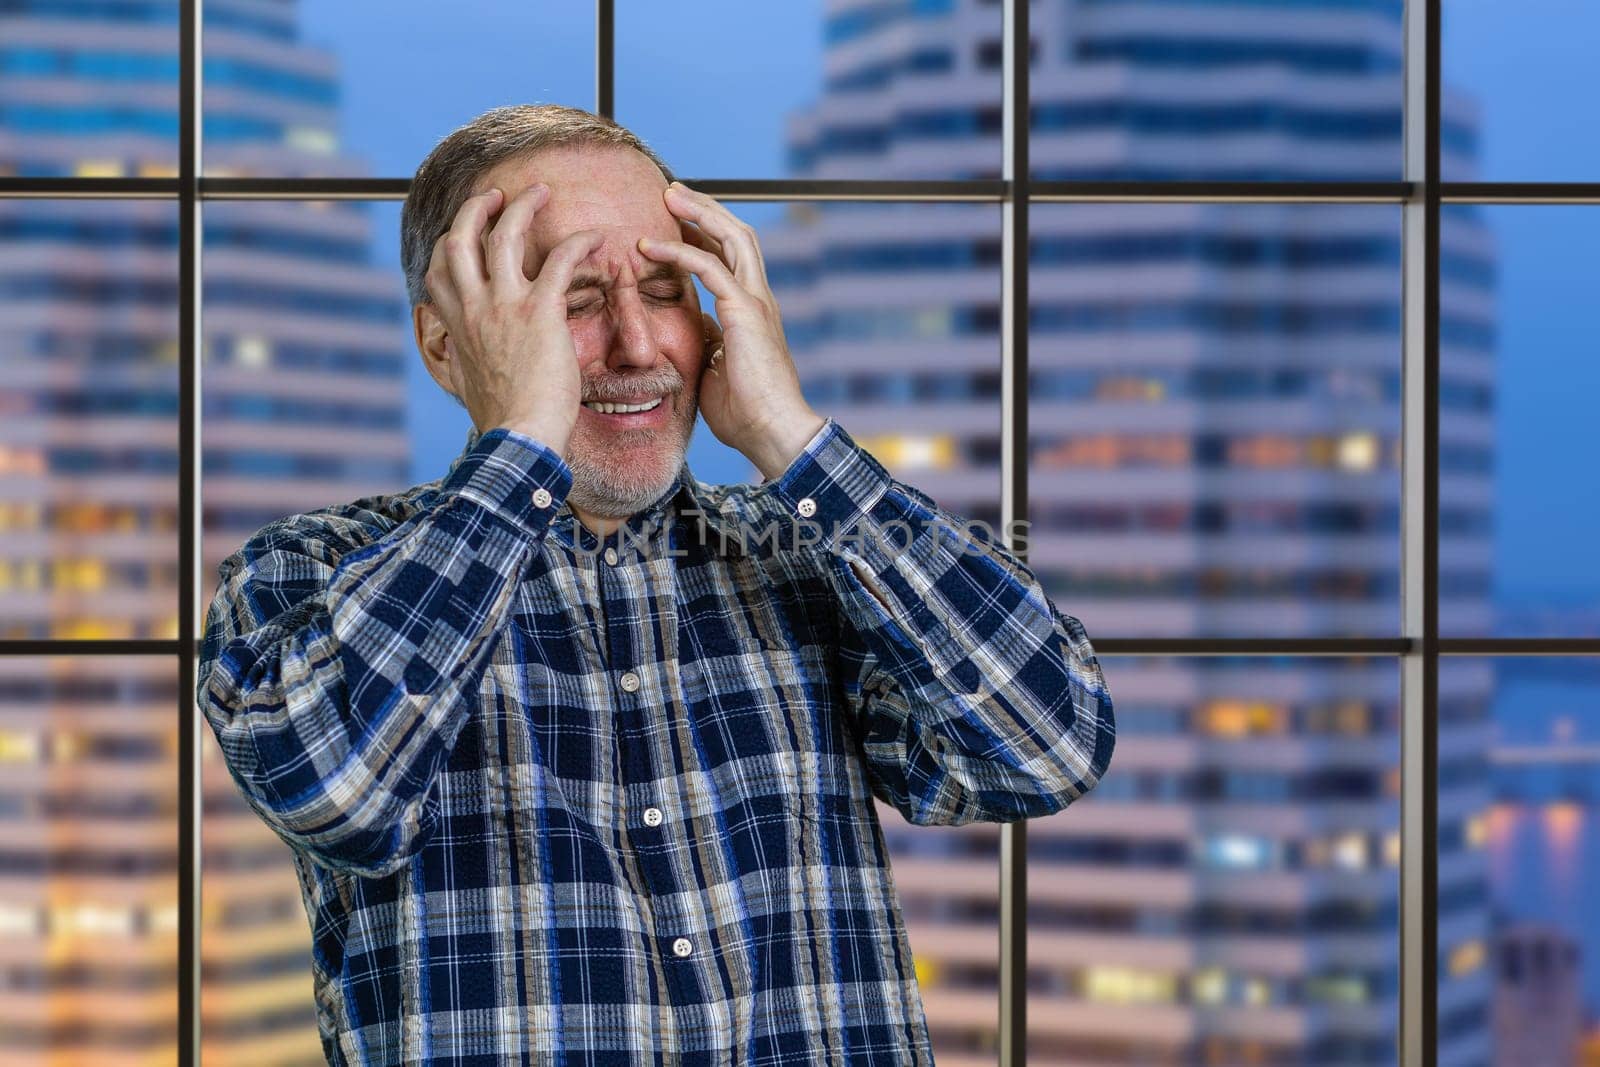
(643, 412)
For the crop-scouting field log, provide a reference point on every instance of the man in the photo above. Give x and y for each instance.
(555, 804)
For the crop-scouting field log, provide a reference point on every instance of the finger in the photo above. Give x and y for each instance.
(694, 235)
(562, 262)
(440, 288)
(711, 271)
(740, 250)
(508, 243)
(463, 245)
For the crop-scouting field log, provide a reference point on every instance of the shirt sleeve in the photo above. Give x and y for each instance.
(336, 674)
(978, 700)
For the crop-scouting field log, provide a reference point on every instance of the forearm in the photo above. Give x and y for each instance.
(336, 713)
(988, 699)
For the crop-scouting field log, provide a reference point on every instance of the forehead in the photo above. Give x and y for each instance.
(611, 188)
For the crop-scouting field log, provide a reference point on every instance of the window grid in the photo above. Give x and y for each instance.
(1420, 194)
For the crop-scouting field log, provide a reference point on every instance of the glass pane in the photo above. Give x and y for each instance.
(89, 89)
(366, 87)
(307, 353)
(1197, 90)
(89, 863)
(1228, 893)
(255, 942)
(89, 394)
(1517, 424)
(1215, 417)
(891, 314)
(1519, 935)
(1521, 73)
(863, 90)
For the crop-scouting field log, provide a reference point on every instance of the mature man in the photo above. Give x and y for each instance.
(550, 803)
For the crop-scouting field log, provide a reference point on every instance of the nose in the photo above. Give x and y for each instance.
(633, 342)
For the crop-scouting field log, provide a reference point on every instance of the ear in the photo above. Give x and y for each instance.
(438, 355)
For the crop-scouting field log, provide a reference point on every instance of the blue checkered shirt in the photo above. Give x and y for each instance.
(550, 804)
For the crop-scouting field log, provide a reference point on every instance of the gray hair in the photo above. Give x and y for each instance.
(444, 180)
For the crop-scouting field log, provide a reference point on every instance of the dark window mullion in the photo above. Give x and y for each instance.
(189, 723)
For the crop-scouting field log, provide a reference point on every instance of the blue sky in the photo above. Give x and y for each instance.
(710, 90)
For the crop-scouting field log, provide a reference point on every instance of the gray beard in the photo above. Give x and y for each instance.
(613, 494)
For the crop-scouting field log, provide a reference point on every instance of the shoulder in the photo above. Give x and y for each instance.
(325, 535)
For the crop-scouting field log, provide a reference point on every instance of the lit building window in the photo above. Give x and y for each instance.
(1257, 991)
(1239, 851)
(252, 351)
(1128, 985)
(1358, 452)
(1350, 851)
(1209, 986)
(17, 746)
(18, 920)
(70, 920)
(1466, 958)
(311, 139)
(1242, 718)
(1337, 989)
(906, 452)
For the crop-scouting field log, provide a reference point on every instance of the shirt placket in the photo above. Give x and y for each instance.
(638, 608)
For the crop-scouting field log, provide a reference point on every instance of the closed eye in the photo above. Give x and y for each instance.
(661, 297)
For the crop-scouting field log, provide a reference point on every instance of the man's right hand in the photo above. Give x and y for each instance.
(512, 363)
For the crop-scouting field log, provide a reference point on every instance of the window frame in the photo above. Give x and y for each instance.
(1418, 647)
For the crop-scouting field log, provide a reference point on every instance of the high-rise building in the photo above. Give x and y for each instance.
(303, 405)
(1214, 446)
(1538, 1012)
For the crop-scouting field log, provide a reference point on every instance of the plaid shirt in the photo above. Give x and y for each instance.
(550, 804)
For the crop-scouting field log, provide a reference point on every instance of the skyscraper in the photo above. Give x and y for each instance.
(303, 362)
(1214, 445)
(1214, 450)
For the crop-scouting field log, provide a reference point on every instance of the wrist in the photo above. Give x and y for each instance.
(549, 433)
(784, 441)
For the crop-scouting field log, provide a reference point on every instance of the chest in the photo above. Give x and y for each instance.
(712, 683)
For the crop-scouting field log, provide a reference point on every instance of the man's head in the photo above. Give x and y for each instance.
(636, 325)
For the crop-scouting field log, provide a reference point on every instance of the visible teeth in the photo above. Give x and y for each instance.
(611, 409)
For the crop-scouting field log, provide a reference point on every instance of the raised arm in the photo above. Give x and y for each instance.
(336, 675)
(979, 700)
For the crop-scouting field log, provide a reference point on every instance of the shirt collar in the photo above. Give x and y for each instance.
(685, 505)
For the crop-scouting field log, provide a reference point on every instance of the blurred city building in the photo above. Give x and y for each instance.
(1538, 1012)
(304, 404)
(1214, 443)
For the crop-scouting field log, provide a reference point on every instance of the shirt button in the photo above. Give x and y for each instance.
(652, 816)
(807, 506)
(611, 556)
(541, 497)
(682, 947)
(630, 681)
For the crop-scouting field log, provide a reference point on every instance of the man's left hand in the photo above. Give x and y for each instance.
(751, 397)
